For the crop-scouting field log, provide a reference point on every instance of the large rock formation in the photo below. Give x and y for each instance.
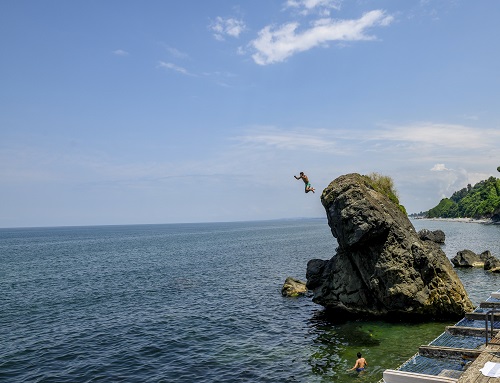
(382, 267)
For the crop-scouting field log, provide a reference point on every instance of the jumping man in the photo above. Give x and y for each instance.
(304, 178)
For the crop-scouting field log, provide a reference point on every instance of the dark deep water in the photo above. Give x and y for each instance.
(193, 303)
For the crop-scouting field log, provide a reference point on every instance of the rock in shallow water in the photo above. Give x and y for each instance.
(437, 236)
(467, 258)
(381, 267)
(293, 288)
(485, 260)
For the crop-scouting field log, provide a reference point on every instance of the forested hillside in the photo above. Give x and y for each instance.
(479, 201)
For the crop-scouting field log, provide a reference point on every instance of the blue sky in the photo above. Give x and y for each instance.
(122, 112)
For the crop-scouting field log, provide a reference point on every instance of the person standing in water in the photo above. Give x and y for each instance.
(361, 363)
(308, 186)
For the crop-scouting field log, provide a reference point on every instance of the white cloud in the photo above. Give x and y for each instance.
(175, 68)
(444, 135)
(425, 140)
(439, 168)
(223, 27)
(120, 52)
(277, 44)
(286, 140)
(305, 7)
(449, 182)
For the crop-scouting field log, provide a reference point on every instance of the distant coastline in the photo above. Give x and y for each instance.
(485, 221)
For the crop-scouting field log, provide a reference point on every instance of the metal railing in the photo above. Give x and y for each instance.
(489, 313)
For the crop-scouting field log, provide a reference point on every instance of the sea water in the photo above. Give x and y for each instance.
(194, 303)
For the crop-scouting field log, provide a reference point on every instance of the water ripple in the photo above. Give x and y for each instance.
(183, 303)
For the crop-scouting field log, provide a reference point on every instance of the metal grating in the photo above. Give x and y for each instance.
(457, 341)
(435, 366)
(431, 366)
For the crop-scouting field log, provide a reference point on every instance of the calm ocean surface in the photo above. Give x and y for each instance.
(193, 303)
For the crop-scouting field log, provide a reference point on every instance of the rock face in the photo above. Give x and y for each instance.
(382, 268)
(467, 258)
(293, 288)
(437, 236)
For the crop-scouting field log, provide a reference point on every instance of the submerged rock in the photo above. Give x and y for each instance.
(293, 288)
(381, 267)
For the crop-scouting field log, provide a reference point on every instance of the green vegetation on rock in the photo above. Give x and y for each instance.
(480, 201)
(385, 185)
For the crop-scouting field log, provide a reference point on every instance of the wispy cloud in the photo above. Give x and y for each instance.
(288, 140)
(306, 7)
(430, 9)
(428, 160)
(120, 52)
(175, 68)
(275, 45)
(223, 27)
(174, 52)
(425, 141)
(443, 135)
(470, 117)
(222, 79)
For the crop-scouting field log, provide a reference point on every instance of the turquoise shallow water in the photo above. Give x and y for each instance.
(192, 303)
